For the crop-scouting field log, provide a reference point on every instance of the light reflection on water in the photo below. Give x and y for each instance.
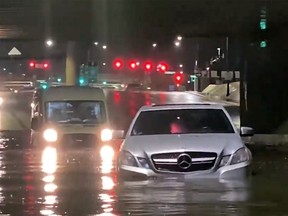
(48, 189)
(181, 197)
(49, 168)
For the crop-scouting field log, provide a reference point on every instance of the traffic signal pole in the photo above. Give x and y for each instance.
(71, 65)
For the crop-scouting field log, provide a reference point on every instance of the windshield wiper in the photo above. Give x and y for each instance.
(72, 120)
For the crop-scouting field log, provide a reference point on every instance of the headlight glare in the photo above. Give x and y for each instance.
(106, 135)
(240, 156)
(126, 158)
(224, 160)
(50, 135)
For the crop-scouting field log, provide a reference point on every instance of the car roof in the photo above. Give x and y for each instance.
(156, 107)
(72, 93)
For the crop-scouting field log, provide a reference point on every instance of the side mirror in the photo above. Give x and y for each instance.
(118, 134)
(35, 123)
(246, 131)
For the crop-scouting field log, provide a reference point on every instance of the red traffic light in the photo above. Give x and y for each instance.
(148, 66)
(118, 64)
(178, 78)
(45, 65)
(32, 64)
(133, 65)
(162, 67)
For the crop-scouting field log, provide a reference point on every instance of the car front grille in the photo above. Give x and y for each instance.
(184, 161)
(78, 141)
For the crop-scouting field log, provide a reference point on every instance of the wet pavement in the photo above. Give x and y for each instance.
(48, 182)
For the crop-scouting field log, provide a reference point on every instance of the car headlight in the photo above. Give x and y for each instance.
(50, 135)
(240, 156)
(143, 162)
(107, 153)
(1, 101)
(126, 158)
(224, 160)
(106, 135)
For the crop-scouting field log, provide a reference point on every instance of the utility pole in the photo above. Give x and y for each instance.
(227, 66)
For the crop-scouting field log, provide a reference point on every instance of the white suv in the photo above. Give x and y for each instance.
(197, 140)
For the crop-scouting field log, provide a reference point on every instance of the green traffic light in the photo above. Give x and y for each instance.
(263, 44)
(81, 81)
(193, 78)
(44, 86)
(59, 80)
(263, 24)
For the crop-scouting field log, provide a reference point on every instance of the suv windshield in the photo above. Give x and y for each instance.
(182, 121)
(76, 112)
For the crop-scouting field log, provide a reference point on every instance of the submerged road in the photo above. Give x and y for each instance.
(46, 182)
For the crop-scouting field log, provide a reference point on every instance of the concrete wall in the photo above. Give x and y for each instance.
(218, 92)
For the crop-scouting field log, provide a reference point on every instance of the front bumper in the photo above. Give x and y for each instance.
(237, 171)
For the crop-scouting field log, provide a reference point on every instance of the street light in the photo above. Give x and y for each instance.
(179, 38)
(49, 43)
(181, 65)
(177, 43)
(96, 43)
(104, 47)
(154, 45)
(104, 63)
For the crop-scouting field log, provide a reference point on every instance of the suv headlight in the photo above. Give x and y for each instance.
(241, 155)
(50, 135)
(106, 135)
(127, 159)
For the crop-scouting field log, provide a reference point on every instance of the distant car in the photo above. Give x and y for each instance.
(135, 87)
(197, 140)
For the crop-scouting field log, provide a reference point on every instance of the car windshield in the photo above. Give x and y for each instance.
(76, 112)
(182, 121)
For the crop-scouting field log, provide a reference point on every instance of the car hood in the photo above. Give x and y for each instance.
(77, 129)
(218, 143)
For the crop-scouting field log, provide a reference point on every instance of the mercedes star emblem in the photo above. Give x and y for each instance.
(184, 161)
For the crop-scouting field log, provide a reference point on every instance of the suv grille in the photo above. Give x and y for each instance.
(78, 141)
(184, 161)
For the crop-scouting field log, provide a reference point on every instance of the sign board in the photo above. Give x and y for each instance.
(14, 52)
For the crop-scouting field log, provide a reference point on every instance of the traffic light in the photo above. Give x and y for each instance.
(45, 66)
(178, 78)
(32, 64)
(44, 85)
(81, 81)
(193, 78)
(263, 24)
(59, 79)
(162, 67)
(118, 64)
(132, 65)
(263, 44)
(148, 66)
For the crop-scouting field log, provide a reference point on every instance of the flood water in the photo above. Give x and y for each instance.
(73, 183)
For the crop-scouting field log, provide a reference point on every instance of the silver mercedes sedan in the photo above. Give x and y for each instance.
(190, 140)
